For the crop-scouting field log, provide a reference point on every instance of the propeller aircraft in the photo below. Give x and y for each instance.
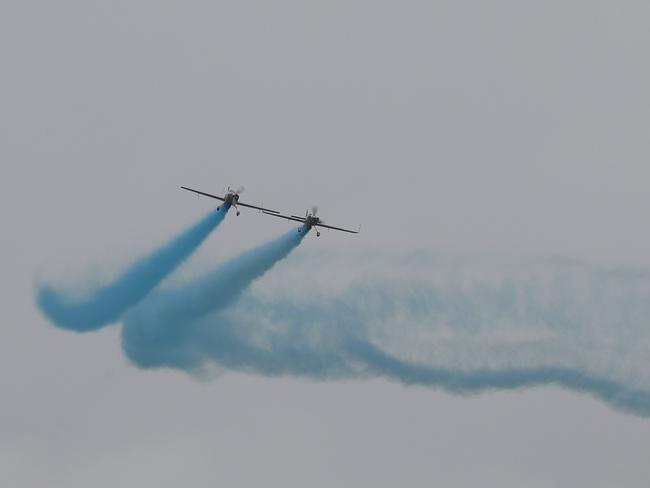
(310, 220)
(231, 199)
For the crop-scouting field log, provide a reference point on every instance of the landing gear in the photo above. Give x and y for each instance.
(317, 233)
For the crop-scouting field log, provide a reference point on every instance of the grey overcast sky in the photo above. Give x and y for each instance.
(513, 127)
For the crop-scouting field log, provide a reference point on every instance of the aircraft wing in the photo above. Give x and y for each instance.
(288, 217)
(337, 228)
(203, 193)
(265, 210)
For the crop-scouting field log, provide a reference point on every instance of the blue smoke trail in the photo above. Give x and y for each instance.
(615, 393)
(107, 304)
(576, 327)
(154, 329)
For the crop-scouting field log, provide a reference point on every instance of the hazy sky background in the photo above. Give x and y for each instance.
(501, 127)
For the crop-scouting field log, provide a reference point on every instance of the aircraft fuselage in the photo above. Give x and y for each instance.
(311, 221)
(231, 199)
